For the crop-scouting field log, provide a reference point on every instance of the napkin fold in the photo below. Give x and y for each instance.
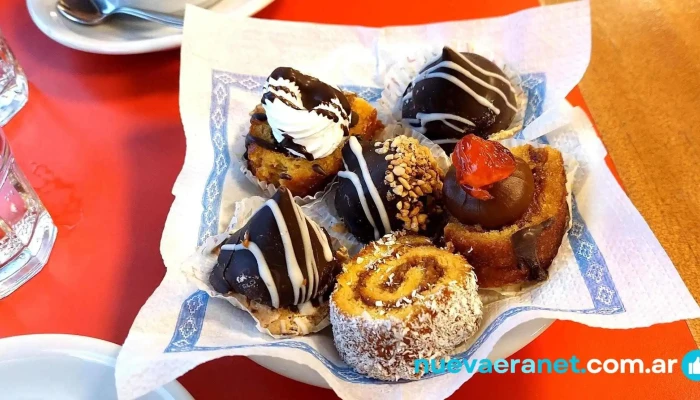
(610, 272)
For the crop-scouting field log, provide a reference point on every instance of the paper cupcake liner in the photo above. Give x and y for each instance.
(202, 263)
(269, 189)
(401, 71)
(323, 210)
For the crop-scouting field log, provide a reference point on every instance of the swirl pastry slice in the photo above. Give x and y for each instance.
(401, 299)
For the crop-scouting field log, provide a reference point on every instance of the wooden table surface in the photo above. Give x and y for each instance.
(642, 88)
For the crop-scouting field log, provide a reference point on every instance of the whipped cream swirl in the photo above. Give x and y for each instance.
(308, 117)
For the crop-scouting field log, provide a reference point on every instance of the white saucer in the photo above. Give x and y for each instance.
(514, 340)
(63, 367)
(122, 35)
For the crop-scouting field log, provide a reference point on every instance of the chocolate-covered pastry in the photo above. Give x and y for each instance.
(508, 209)
(279, 258)
(457, 94)
(387, 186)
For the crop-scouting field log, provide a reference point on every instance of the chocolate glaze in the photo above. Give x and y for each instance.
(273, 145)
(436, 95)
(511, 198)
(319, 170)
(250, 139)
(313, 91)
(347, 198)
(354, 119)
(288, 143)
(261, 117)
(239, 271)
(525, 247)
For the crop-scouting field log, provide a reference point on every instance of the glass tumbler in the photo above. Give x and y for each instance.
(27, 233)
(13, 84)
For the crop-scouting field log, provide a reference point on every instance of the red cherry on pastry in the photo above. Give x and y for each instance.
(480, 163)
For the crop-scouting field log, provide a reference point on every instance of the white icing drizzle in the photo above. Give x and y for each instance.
(361, 195)
(263, 269)
(311, 267)
(480, 99)
(302, 293)
(327, 251)
(445, 141)
(423, 119)
(485, 72)
(357, 150)
(293, 270)
(306, 308)
(456, 67)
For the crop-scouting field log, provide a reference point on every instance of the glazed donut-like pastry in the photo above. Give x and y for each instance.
(400, 299)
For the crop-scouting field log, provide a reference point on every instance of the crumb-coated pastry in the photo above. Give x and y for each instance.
(456, 94)
(401, 299)
(297, 132)
(280, 265)
(387, 186)
(508, 214)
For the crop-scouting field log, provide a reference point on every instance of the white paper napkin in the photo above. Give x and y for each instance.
(610, 272)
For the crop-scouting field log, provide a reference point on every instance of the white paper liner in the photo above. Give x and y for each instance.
(202, 263)
(269, 189)
(404, 67)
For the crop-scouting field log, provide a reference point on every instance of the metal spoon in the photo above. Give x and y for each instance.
(94, 12)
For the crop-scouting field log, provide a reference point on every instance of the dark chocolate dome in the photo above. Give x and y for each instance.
(457, 94)
(279, 258)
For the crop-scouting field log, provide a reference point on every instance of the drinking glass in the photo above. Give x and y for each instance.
(27, 232)
(13, 84)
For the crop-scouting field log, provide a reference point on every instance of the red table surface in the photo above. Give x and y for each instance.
(102, 142)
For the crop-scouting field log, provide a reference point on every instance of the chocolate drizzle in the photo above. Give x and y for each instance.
(525, 246)
(283, 89)
(279, 258)
(319, 170)
(260, 117)
(354, 119)
(270, 97)
(273, 145)
(288, 144)
(313, 91)
(457, 94)
(250, 139)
